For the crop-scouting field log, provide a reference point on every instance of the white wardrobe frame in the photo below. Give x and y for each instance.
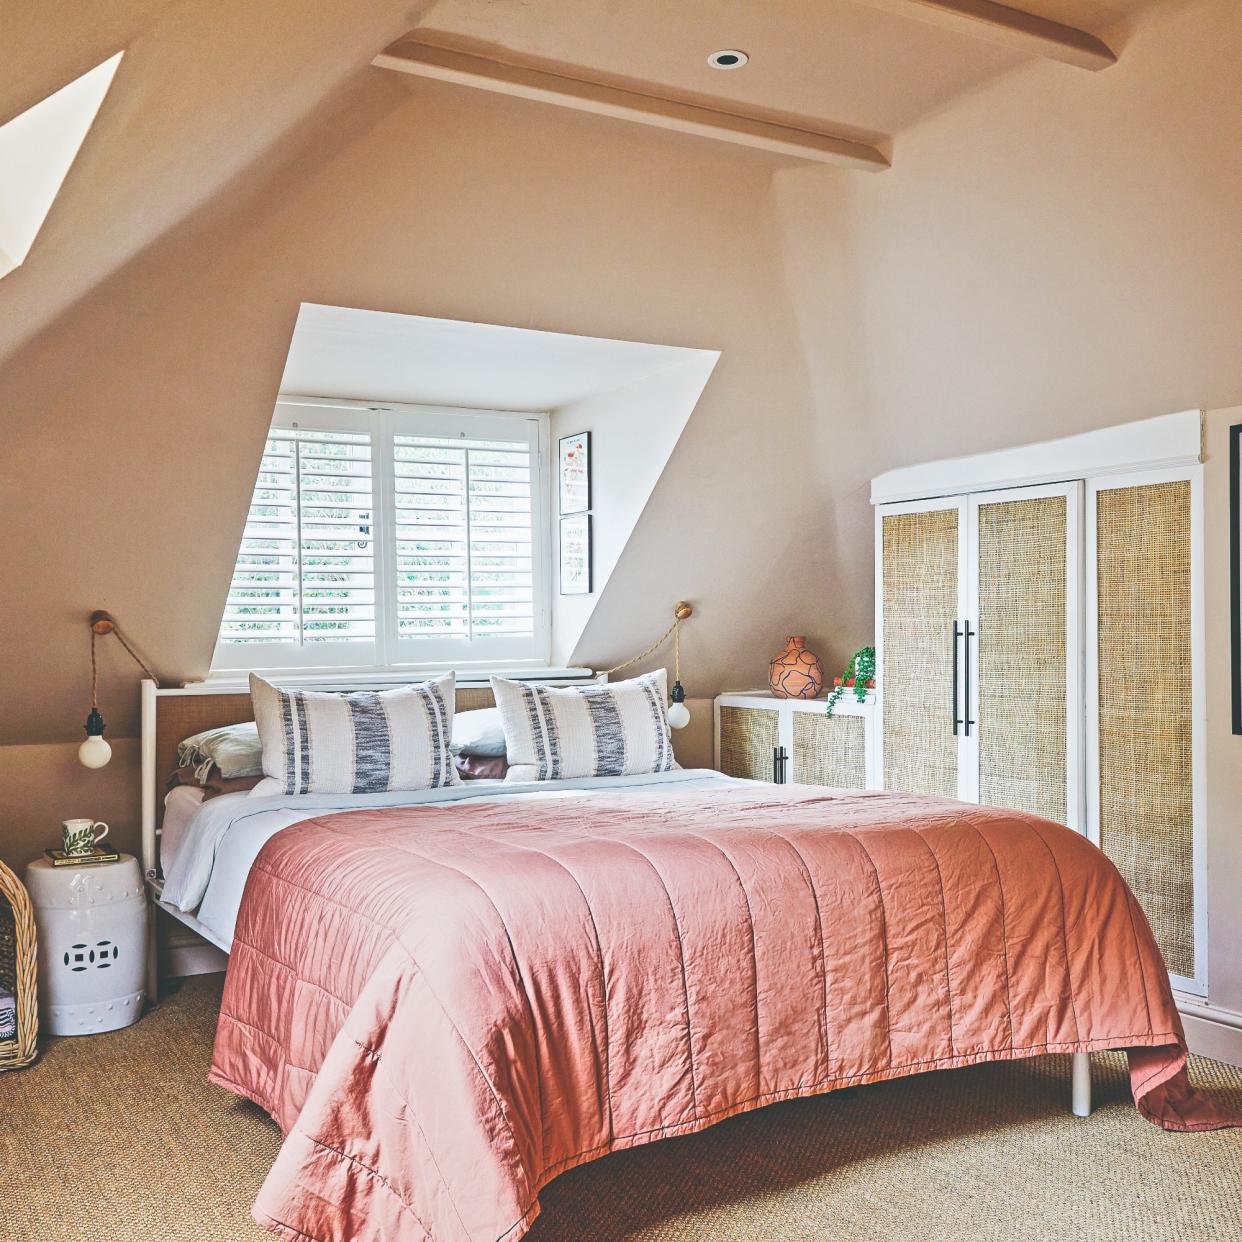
(1159, 450)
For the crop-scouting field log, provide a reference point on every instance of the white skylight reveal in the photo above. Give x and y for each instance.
(37, 149)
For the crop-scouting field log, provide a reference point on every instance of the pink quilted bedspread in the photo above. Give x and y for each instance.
(446, 1006)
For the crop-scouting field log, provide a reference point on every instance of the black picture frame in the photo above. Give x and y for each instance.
(1235, 570)
(585, 438)
(581, 586)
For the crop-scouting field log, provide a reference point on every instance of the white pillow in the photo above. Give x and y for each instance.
(234, 749)
(364, 742)
(558, 733)
(479, 732)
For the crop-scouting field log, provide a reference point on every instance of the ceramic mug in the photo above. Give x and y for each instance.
(80, 836)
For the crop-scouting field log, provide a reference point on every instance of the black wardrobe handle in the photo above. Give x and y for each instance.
(780, 765)
(957, 720)
(967, 722)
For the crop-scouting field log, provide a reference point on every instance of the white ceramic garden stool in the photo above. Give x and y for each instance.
(91, 922)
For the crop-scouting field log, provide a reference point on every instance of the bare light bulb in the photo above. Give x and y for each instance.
(94, 752)
(678, 712)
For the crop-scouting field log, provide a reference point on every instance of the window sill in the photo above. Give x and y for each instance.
(385, 678)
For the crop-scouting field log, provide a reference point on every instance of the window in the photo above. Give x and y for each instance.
(305, 571)
(37, 149)
(394, 536)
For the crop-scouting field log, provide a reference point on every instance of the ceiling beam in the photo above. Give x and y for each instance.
(422, 60)
(1014, 28)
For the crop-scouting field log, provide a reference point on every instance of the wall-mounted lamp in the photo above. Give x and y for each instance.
(95, 751)
(678, 712)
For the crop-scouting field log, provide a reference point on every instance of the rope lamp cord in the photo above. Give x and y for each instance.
(95, 752)
(678, 713)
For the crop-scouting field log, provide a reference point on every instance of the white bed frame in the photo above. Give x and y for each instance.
(152, 876)
(1080, 1102)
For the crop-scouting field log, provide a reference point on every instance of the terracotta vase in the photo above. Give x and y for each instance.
(795, 673)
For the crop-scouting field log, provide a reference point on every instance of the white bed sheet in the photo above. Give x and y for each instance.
(224, 838)
(181, 804)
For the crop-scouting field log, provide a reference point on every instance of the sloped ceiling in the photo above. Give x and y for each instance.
(37, 149)
(213, 93)
(208, 89)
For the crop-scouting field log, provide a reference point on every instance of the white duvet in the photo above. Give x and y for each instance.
(221, 842)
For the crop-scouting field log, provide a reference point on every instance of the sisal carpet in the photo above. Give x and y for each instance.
(118, 1138)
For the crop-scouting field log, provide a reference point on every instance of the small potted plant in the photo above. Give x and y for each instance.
(859, 675)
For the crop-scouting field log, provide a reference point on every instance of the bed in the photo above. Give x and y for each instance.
(447, 998)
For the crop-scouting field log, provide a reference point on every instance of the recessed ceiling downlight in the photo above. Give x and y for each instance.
(730, 58)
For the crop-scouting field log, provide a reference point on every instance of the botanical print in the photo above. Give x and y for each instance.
(575, 473)
(576, 555)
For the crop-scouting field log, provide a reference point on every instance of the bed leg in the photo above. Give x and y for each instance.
(153, 959)
(1081, 1075)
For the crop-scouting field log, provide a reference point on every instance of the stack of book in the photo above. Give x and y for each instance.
(8, 1014)
(98, 854)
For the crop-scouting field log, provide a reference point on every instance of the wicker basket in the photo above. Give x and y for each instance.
(17, 969)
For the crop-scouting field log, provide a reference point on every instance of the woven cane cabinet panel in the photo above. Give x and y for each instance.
(829, 750)
(837, 750)
(1022, 655)
(920, 581)
(1143, 540)
(748, 736)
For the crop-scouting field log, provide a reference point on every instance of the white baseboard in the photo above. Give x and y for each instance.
(1211, 1031)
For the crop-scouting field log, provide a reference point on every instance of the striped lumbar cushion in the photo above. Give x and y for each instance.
(365, 742)
(557, 733)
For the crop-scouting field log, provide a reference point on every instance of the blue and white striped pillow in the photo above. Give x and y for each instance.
(558, 733)
(364, 742)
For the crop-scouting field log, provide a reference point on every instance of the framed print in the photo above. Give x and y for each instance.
(1235, 569)
(575, 473)
(576, 554)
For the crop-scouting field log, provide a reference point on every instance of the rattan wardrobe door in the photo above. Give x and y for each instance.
(1144, 659)
(920, 605)
(1025, 668)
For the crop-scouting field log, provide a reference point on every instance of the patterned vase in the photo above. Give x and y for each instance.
(795, 673)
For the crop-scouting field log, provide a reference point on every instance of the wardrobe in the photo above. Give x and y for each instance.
(1039, 646)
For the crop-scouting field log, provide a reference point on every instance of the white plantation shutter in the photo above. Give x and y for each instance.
(306, 567)
(464, 534)
(381, 537)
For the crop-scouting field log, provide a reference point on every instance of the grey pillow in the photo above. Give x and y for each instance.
(234, 749)
(479, 732)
